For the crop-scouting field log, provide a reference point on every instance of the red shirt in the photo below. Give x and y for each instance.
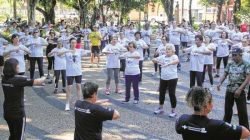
(79, 45)
(243, 27)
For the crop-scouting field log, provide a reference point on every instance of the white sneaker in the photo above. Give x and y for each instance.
(153, 73)
(211, 88)
(67, 108)
(172, 115)
(136, 101)
(158, 111)
(248, 101)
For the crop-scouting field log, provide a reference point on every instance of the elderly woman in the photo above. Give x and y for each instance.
(169, 78)
(199, 127)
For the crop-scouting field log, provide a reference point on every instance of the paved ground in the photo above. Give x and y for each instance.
(47, 120)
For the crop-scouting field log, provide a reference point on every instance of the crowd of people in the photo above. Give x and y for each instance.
(126, 48)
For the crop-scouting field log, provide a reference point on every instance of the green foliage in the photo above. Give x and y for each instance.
(243, 14)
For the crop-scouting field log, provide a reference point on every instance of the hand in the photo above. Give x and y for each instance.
(237, 93)
(102, 101)
(218, 87)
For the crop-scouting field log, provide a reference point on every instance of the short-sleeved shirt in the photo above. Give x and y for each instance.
(88, 120)
(196, 127)
(236, 75)
(168, 72)
(95, 38)
(74, 62)
(13, 89)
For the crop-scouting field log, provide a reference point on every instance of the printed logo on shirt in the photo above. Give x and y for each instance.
(195, 129)
(87, 111)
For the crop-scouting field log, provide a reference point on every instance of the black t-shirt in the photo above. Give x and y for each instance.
(195, 127)
(88, 120)
(13, 89)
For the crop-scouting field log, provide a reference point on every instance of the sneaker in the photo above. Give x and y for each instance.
(67, 108)
(248, 101)
(153, 73)
(107, 92)
(118, 91)
(125, 101)
(158, 111)
(136, 101)
(172, 115)
(64, 91)
(211, 88)
(216, 76)
(55, 91)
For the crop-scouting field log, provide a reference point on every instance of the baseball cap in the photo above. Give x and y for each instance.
(236, 51)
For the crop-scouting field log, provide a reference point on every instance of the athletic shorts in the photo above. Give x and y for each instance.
(70, 79)
(95, 49)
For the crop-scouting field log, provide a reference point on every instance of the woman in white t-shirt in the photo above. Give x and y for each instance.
(112, 52)
(36, 45)
(222, 52)
(73, 70)
(60, 65)
(132, 72)
(209, 60)
(169, 78)
(17, 50)
(123, 41)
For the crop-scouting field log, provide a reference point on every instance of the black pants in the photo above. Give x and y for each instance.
(196, 75)
(16, 128)
(50, 62)
(218, 61)
(241, 107)
(248, 93)
(33, 61)
(140, 66)
(57, 76)
(171, 86)
(177, 53)
(146, 50)
(210, 75)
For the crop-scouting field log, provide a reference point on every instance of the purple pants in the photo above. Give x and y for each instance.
(132, 79)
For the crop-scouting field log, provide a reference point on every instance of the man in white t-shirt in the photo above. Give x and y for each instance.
(197, 59)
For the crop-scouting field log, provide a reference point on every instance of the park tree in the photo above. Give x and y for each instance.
(169, 8)
(47, 8)
(31, 6)
(190, 13)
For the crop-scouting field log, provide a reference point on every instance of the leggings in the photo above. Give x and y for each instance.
(132, 79)
(218, 61)
(171, 86)
(146, 50)
(196, 75)
(248, 93)
(16, 128)
(110, 71)
(50, 62)
(209, 70)
(57, 76)
(33, 61)
(140, 66)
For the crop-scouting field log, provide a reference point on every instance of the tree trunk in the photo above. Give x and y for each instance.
(219, 12)
(168, 6)
(48, 10)
(14, 9)
(31, 11)
(237, 6)
(190, 12)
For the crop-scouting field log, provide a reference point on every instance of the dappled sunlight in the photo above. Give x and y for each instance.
(28, 120)
(4, 127)
(150, 101)
(63, 136)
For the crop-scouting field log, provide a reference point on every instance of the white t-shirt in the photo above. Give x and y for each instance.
(123, 42)
(236, 37)
(168, 72)
(222, 48)
(139, 47)
(246, 54)
(65, 40)
(161, 50)
(132, 64)
(196, 59)
(113, 60)
(19, 55)
(191, 38)
(104, 33)
(25, 39)
(37, 50)
(209, 59)
(214, 34)
(86, 32)
(73, 63)
(130, 34)
(146, 35)
(60, 61)
(174, 36)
